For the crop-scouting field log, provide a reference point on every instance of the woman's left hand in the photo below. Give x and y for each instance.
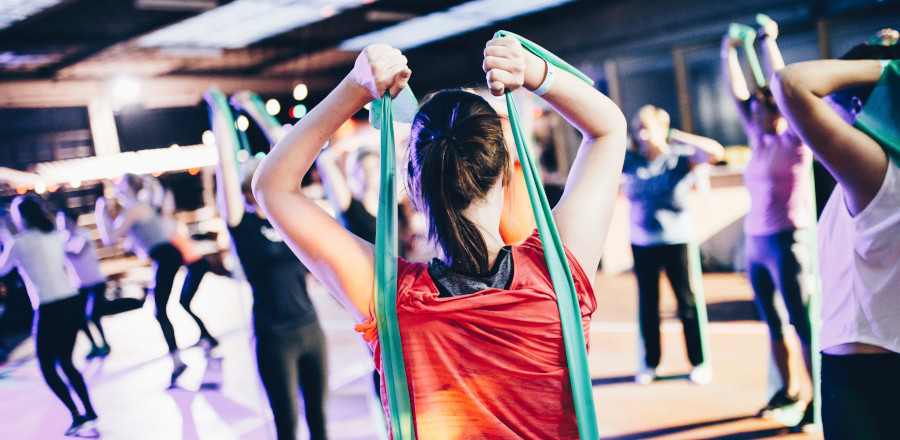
(509, 66)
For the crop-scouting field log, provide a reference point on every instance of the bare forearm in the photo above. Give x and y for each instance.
(712, 149)
(588, 110)
(287, 163)
(733, 74)
(773, 61)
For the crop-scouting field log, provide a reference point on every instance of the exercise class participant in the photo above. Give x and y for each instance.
(859, 255)
(290, 343)
(480, 326)
(83, 267)
(659, 180)
(781, 209)
(39, 254)
(143, 225)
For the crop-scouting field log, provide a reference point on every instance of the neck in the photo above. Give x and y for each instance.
(485, 215)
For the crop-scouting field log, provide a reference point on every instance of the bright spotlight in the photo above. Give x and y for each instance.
(243, 155)
(298, 111)
(126, 89)
(242, 123)
(300, 92)
(273, 106)
(208, 138)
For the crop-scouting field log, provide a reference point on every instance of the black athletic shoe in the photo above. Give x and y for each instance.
(779, 400)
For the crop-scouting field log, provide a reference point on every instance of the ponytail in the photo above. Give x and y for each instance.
(457, 153)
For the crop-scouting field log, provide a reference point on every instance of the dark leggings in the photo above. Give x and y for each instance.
(860, 396)
(648, 261)
(288, 359)
(166, 261)
(95, 298)
(779, 262)
(195, 273)
(58, 325)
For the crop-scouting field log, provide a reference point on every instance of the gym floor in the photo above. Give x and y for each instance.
(221, 397)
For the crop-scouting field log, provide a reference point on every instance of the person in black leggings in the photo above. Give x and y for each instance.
(145, 228)
(290, 343)
(38, 252)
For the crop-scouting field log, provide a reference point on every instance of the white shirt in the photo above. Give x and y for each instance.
(40, 257)
(81, 259)
(860, 268)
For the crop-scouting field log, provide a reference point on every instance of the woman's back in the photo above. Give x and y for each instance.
(491, 362)
(40, 257)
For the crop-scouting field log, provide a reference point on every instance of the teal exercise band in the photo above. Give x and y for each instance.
(748, 35)
(385, 294)
(560, 275)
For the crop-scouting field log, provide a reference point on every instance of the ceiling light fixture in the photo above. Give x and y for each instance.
(454, 21)
(244, 22)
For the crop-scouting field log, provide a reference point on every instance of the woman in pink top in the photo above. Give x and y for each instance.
(480, 323)
(781, 207)
(859, 252)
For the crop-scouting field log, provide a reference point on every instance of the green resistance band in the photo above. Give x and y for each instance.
(251, 104)
(878, 118)
(385, 294)
(696, 282)
(221, 120)
(748, 35)
(560, 275)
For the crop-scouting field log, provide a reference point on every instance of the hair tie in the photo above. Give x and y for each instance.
(446, 136)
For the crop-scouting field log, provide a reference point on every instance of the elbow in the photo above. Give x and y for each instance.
(614, 125)
(787, 85)
(718, 153)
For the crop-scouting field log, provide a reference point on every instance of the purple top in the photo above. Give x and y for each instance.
(778, 179)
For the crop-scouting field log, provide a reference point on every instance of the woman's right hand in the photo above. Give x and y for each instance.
(380, 67)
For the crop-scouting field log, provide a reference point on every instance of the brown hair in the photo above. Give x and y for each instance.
(457, 153)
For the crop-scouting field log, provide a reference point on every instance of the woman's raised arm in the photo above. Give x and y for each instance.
(584, 212)
(853, 158)
(343, 262)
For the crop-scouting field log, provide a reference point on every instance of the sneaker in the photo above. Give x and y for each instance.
(101, 351)
(176, 373)
(807, 423)
(78, 423)
(646, 375)
(701, 374)
(779, 400)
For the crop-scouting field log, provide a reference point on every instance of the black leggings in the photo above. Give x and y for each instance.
(58, 325)
(648, 261)
(860, 396)
(167, 260)
(288, 359)
(95, 299)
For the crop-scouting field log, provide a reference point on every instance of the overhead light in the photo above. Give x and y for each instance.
(125, 90)
(273, 106)
(242, 123)
(208, 138)
(13, 11)
(175, 5)
(244, 22)
(300, 92)
(298, 111)
(454, 21)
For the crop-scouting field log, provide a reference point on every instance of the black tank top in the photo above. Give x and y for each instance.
(359, 221)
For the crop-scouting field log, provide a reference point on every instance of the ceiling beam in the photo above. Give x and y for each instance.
(165, 91)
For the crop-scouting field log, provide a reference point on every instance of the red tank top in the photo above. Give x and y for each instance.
(490, 364)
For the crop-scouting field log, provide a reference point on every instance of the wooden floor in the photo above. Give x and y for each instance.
(223, 399)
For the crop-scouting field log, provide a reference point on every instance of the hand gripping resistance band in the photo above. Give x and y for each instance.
(748, 35)
(560, 275)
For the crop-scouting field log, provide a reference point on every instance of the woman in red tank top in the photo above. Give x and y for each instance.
(479, 325)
